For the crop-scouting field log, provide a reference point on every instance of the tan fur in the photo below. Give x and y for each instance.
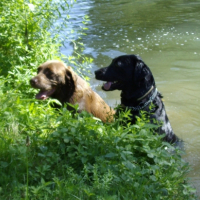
(55, 75)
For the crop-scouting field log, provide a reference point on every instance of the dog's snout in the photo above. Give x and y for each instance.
(98, 73)
(33, 81)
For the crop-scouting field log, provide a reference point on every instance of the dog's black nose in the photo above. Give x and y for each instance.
(33, 81)
(97, 72)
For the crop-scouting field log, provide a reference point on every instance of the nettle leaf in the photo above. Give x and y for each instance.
(21, 58)
(63, 130)
(150, 155)
(124, 134)
(55, 134)
(164, 191)
(32, 64)
(153, 178)
(134, 126)
(3, 164)
(111, 155)
(73, 130)
(127, 152)
(147, 125)
(123, 156)
(97, 119)
(155, 167)
(41, 155)
(88, 193)
(129, 165)
(176, 174)
(100, 130)
(50, 101)
(66, 139)
(49, 154)
(143, 132)
(84, 160)
(117, 139)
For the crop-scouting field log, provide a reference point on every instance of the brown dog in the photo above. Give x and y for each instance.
(56, 80)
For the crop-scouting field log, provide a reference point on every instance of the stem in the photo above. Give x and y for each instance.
(27, 144)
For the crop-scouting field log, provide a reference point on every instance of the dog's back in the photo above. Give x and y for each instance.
(90, 101)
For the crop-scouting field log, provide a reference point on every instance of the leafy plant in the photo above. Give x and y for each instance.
(73, 156)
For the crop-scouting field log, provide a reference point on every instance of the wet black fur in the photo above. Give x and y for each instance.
(134, 78)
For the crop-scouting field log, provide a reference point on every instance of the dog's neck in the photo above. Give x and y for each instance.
(64, 93)
(134, 102)
(145, 95)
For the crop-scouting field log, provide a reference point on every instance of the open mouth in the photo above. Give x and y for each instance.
(109, 86)
(42, 95)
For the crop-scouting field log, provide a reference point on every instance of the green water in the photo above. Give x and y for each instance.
(166, 34)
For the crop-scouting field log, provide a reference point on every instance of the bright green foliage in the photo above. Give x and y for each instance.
(59, 155)
(51, 154)
(30, 35)
(24, 38)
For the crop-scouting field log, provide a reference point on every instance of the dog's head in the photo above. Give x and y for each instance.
(51, 78)
(127, 73)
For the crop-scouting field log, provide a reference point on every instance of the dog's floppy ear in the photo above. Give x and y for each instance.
(143, 79)
(142, 74)
(70, 75)
(139, 73)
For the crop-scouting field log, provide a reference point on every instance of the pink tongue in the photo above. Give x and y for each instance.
(42, 95)
(107, 85)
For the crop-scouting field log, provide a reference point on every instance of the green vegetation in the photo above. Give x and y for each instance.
(51, 154)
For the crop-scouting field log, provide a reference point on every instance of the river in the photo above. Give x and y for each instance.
(166, 34)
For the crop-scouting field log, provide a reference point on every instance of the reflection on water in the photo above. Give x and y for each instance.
(166, 34)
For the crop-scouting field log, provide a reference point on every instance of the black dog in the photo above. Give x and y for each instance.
(133, 77)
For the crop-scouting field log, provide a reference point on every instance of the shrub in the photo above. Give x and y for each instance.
(75, 156)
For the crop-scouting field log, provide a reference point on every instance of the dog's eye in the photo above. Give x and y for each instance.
(119, 63)
(38, 70)
(48, 74)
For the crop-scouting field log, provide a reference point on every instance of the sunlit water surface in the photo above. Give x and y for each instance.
(166, 34)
